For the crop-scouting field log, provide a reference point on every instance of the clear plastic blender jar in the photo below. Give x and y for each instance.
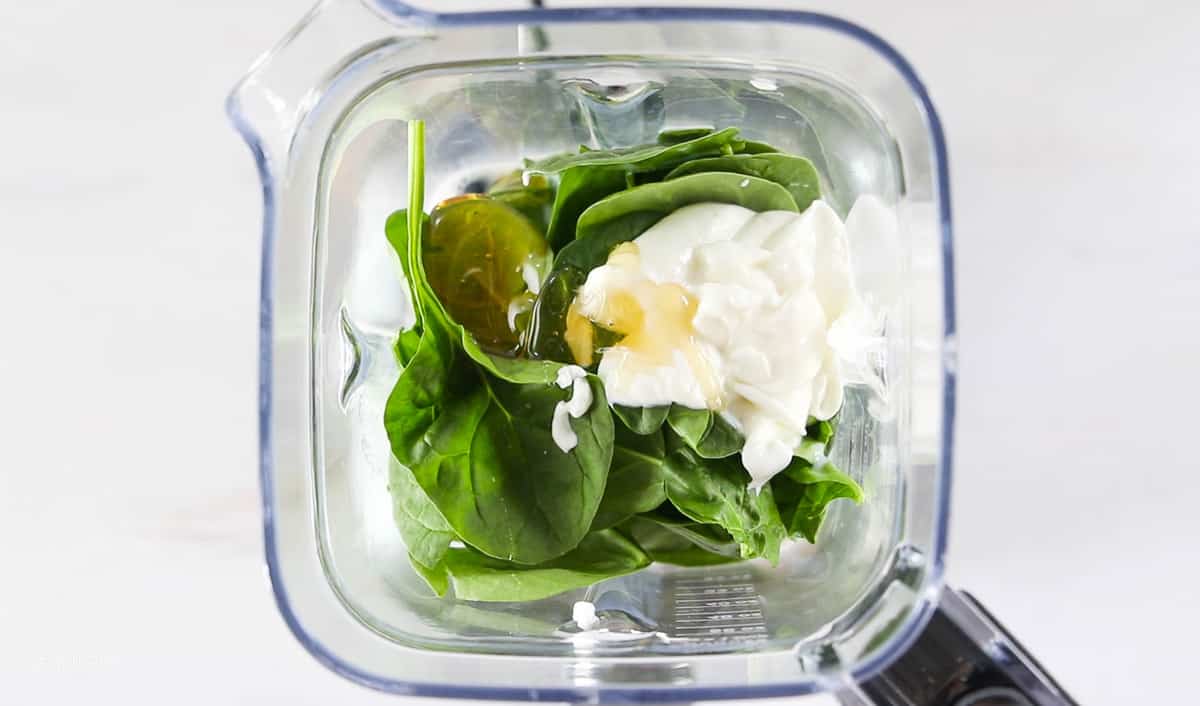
(325, 114)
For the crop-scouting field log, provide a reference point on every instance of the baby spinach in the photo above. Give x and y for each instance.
(708, 433)
(642, 420)
(481, 448)
(396, 230)
(626, 215)
(803, 492)
(644, 157)
(477, 577)
(546, 338)
(531, 195)
(427, 307)
(814, 448)
(672, 137)
(587, 177)
(429, 310)
(406, 345)
(756, 147)
(709, 537)
(426, 533)
(663, 198)
(434, 576)
(715, 491)
(636, 482)
(796, 174)
(579, 187)
(821, 430)
(665, 544)
(474, 457)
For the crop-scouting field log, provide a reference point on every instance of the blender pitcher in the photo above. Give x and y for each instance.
(863, 613)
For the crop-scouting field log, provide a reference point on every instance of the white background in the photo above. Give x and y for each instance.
(130, 549)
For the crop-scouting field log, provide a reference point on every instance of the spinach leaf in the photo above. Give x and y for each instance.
(811, 450)
(796, 174)
(435, 576)
(803, 493)
(578, 188)
(481, 257)
(416, 399)
(477, 577)
(663, 198)
(406, 345)
(642, 420)
(429, 308)
(588, 254)
(814, 448)
(626, 215)
(425, 532)
(546, 338)
(709, 537)
(532, 196)
(644, 157)
(716, 491)
(672, 137)
(585, 178)
(522, 371)
(481, 448)
(476, 431)
(821, 430)
(708, 433)
(756, 147)
(664, 544)
(636, 482)
(396, 230)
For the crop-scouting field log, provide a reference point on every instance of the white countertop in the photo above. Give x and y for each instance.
(129, 265)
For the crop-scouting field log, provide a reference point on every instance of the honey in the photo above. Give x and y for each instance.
(653, 319)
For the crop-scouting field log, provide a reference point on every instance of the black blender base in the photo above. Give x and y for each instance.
(964, 657)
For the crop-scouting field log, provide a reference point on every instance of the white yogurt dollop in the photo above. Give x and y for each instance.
(771, 319)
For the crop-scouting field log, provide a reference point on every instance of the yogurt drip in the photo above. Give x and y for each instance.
(575, 378)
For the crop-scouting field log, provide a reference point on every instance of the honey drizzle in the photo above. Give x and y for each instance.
(655, 320)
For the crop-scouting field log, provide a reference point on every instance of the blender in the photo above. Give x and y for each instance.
(864, 612)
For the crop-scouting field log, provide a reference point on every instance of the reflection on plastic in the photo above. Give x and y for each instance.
(597, 673)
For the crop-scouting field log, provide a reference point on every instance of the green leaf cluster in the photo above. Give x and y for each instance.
(486, 502)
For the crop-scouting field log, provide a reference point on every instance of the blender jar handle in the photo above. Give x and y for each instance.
(269, 104)
(964, 657)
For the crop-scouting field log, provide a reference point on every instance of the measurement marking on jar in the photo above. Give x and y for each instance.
(721, 623)
(712, 609)
(692, 615)
(718, 591)
(712, 579)
(708, 602)
(689, 632)
(705, 611)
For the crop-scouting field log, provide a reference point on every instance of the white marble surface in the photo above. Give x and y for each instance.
(129, 525)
